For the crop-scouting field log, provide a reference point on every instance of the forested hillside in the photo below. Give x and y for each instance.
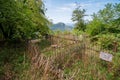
(61, 27)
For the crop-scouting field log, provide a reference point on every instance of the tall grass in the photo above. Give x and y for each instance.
(76, 62)
(49, 67)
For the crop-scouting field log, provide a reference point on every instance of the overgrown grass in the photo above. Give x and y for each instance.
(72, 62)
(13, 60)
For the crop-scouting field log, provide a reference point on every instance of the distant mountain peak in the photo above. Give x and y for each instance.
(61, 26)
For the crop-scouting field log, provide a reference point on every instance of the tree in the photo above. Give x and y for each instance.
(105, 21)
(22, 19)
(77, 16)
(95, 26)
(105, 26)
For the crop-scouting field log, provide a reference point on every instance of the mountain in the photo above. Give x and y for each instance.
(61, 26)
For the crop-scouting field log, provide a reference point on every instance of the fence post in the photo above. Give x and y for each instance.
(115, 46)
(83, 47)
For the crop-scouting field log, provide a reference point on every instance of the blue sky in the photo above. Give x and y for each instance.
(61, 10)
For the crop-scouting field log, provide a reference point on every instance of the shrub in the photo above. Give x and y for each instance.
(106, 41)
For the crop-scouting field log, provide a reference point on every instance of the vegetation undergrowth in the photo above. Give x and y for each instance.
(13, 60)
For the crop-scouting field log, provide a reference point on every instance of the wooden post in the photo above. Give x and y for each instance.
(115, 46)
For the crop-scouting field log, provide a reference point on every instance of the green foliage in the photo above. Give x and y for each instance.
(77, 32)
(77, 16)
(95, 27)
(20, 19)
(105, 21)
(104, 40)
(105, 26)
(13, 61)
(43, 44)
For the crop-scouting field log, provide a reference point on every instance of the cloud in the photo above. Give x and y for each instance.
(71, 5)
(61, 10)
(66, 7)
(91, 4)
(86, 4)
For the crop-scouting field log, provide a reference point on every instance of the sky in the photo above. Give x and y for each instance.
(61, 10)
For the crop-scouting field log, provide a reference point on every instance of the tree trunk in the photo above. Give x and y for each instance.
(3, 32)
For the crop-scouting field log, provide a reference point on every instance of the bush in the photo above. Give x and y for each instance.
(107, 41)
(12, 61)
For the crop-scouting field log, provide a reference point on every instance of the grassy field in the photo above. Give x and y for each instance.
(57, 59)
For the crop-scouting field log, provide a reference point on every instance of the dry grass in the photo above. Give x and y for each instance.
(51, 67)
(76, 62)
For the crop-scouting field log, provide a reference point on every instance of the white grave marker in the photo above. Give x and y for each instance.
(106, 56)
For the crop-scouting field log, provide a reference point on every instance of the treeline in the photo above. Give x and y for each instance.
(104, 21)
(22, 19)
(104, 26)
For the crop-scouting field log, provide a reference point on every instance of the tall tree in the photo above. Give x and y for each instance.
(21, 19)
(105, 21)
(77, 17)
